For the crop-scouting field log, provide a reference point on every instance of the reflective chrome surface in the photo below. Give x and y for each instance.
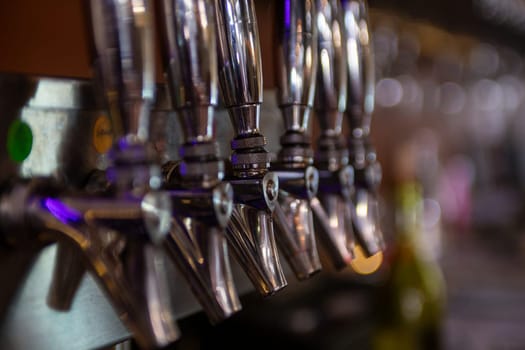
(189, 41)
(250, 232)
(197, 245)
(333, 217)
(240, 67)
(296, 62)
(296, 69)
(202, 204)
(125, 60)
(331, 93)
(360, 62)
(331, 214)
(361, 85)
(294, 221)
(118, 232)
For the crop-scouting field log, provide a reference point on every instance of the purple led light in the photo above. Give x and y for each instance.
(287, 14)
(61, 211)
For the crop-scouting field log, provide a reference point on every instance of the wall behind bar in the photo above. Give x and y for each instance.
(48, 38)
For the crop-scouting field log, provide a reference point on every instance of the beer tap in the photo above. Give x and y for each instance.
(298, 179)
(360, 106)
(118, 233)
(250, 231)
(202, 203)
(331, 209)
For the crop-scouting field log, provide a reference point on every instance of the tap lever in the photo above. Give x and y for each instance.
(188, 51)
(360, 67)
(296, 63)
(240, 78)
(123, 38)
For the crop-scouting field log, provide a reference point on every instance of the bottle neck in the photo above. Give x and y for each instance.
(409, 205)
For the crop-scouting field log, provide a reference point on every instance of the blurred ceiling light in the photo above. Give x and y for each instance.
(389, 92)
(484, 60)
(452, 98)
(507, 12)
(412, 93)
(487, 95)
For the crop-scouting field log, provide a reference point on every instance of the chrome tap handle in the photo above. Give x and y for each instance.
(296, 63)
(250, 232)
(240, 66)
(124, 56)
(189, 44)
(331, 91)
(202, 204)
(296, 67)
(360, 67)
(361, 86)
(332, 219)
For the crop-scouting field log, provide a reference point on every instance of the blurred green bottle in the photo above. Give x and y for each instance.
(411, 302)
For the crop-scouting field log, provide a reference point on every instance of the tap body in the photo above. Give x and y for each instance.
(202, 203)
(360, 106)
(296, 63)
(331, 213)
(119, 230)
(251, 229)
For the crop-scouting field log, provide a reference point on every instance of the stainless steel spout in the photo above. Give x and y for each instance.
(198, 246)
(128, 267)
(296, 72)
(250, 232)
(202, 203)
(332, 217)
(360, 106)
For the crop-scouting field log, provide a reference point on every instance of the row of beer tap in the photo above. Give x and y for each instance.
(314, 206)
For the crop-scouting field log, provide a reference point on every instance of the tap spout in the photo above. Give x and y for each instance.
(251, 232)
(197, 245)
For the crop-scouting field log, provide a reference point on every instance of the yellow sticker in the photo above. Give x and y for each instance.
(102, 134)
(366, 265)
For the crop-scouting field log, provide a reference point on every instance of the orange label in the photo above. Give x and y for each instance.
(102, 134)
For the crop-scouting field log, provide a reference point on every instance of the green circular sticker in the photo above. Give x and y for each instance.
(19, 140)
